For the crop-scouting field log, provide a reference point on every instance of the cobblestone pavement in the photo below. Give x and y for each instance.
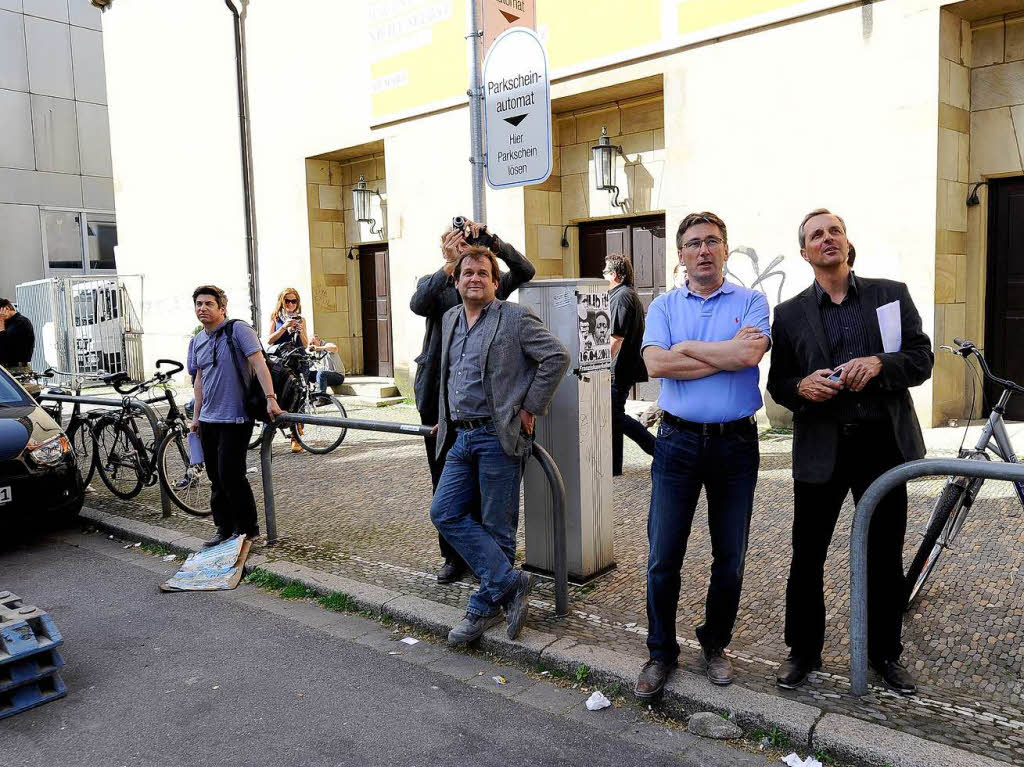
(362, 512)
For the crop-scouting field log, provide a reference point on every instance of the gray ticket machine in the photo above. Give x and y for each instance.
(577, 431)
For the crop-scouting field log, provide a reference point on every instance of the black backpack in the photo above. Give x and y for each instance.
(254, 400)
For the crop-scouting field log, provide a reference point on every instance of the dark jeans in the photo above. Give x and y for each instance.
(622, 424)
(863, 456)
(726, 467)
(477, 465)
(436, 467)
(225, 446)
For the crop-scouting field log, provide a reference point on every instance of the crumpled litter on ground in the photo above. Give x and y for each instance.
(792, 760)
(499, 680)
(597, 701)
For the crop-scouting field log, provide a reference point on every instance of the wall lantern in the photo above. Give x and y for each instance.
(604, 165)
(362, 196)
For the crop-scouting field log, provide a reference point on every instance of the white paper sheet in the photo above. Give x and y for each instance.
(891, 326)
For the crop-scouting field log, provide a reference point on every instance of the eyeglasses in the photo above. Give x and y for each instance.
(291, 300)
(694, 245)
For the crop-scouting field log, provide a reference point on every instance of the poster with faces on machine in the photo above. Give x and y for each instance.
(595, 329)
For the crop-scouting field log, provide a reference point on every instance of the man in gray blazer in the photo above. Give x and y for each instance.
(500, 368)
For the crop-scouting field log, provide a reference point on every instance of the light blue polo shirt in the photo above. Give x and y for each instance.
(680, 315)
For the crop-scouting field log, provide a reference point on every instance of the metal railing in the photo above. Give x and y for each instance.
(929, 467)
(144, 406)
(547, 464)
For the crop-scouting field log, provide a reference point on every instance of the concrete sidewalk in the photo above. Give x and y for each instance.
(360, 513)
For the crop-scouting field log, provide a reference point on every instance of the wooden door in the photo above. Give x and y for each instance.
(1004, 322)
(375, 294)
(642, 240)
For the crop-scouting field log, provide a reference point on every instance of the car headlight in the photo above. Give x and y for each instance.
(50, 452)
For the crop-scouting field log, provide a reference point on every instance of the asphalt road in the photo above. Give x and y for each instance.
(247, 678)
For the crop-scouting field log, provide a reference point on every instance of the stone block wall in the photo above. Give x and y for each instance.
(981, 137)
(568, 196)
(948, 392)
(333, 230)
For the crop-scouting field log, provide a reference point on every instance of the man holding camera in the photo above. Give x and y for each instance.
(846, 379)
(435, 294)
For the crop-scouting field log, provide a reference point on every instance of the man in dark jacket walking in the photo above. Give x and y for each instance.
(845, 353)
(435, 294)
(628, 366)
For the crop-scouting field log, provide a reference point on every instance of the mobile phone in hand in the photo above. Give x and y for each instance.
(836, 374)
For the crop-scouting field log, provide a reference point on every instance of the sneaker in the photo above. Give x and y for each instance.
(719, 668)
(518, 604)
(218, 539)
(471, 628)
(651, 681)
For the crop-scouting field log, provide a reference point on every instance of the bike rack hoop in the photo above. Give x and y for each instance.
(547, 464)
(928, 467)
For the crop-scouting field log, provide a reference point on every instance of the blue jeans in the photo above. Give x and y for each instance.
(726, 467)
(477, 463)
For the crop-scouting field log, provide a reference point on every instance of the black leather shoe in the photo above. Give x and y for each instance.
(216, 540)
(451, 572)
(896, 677)
(794, 671)
(651, 681)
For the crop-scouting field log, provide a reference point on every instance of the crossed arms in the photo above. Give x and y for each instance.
(689, 360)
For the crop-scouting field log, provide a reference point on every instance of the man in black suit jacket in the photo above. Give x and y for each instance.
(435, 294)
(853, 420)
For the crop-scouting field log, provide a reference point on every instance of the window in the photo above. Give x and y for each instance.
(79, 242)
(63, 231)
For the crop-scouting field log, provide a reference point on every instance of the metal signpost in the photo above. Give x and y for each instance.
(517, 110)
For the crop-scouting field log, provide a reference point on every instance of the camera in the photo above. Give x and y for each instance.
(485, 239)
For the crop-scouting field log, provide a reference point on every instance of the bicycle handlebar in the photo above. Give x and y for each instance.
(966, 347)
(120, 381)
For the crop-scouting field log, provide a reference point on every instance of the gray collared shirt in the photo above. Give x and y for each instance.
(466, 397)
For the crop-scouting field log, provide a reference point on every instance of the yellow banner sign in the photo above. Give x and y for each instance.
(418, 47)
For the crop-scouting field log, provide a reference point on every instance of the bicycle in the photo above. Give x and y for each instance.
(126, 463)
(314, 438)
(81, 426)
(958, 495)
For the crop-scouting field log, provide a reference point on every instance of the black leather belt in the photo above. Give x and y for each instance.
(473, 423)
(738, 426)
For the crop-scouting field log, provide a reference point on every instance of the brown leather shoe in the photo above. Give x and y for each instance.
(719, 667)
(651, 681)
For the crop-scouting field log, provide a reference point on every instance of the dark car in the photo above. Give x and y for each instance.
(39, 478)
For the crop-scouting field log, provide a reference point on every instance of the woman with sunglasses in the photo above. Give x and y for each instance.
(286, 322)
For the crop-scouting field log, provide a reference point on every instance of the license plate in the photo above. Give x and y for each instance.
(5, 495)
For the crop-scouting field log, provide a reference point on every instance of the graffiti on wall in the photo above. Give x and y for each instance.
(747, 272)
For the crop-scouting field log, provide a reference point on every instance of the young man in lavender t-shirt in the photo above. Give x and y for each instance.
(220, 418)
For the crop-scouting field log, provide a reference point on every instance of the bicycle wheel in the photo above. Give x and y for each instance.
(121, 458)
(928, 553)
(80, 436)
(186, 483)
(320, 439)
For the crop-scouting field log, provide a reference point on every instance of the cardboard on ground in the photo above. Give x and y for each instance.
(217, 568)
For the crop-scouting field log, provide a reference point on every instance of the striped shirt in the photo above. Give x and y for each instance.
(847, 337)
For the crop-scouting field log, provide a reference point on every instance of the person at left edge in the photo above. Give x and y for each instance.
(219, 418)
(500, 368)
(17, 337)
(435, 294)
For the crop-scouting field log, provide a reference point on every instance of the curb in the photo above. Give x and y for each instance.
(807, 727)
